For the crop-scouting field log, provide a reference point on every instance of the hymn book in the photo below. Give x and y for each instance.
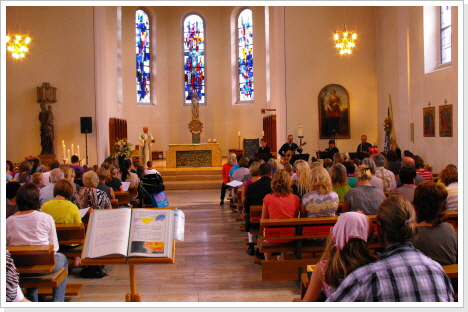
(130, 233)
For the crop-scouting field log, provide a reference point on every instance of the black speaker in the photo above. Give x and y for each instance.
(86, 124)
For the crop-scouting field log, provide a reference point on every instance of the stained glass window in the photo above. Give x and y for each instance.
(446, 33)
(245, 50)
(142, 38)
(194, 58)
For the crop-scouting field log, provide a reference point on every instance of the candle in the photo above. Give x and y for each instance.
(300, 130)
(78, 151)
(263, 133)
(238, 133)
(64, 156)
(68, 156)
(73, 150)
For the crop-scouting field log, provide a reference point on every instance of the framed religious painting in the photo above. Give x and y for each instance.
(446, 120)
(334, 121)
(429, 121)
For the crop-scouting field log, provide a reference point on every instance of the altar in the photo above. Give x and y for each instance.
(194, 155)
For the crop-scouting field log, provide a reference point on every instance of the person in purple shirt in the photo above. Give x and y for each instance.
(75, 164)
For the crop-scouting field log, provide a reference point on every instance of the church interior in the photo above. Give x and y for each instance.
(88, 54)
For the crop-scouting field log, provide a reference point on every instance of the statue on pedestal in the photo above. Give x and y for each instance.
(47, 130)
(195, 126)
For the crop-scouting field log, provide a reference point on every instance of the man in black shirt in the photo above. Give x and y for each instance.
(290, 146)
(331, 147)
(364, 146)
(263, 149)
(254, 196)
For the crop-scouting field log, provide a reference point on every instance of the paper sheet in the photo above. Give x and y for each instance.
(125, 185)
(179, 225)
(235, 183)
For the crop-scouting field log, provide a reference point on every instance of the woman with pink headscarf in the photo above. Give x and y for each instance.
(346, 250)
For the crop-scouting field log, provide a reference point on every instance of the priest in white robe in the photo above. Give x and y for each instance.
(145, 139)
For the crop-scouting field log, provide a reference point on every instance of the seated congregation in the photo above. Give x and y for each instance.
(348, 220)
(367, 233)
(50, 206)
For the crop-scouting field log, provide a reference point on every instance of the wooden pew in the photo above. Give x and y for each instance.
(123, 198)
(71, 234)
(37, 259)
(114, 203)
(302, 242)
(133, 193)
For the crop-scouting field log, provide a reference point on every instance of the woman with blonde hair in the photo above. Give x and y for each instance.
(364, 197)
(275, 165)
(346, 250)
(449, 177)
(338, 158)
(321, 201)
(303, 184)
(280, 204)
(339, 180)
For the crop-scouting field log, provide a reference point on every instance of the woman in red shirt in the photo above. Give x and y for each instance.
(421, 169)
(280, 204)
(232, 159)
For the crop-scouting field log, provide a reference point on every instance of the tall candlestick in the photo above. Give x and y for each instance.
(73, 150)
(78, 151)
(64, 155)
(300, 130)
(238, 134)
(68, 154)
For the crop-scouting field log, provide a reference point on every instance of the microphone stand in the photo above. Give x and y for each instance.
(334, 137)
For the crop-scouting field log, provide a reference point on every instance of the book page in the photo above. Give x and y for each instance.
(108, 232)
(151, 233)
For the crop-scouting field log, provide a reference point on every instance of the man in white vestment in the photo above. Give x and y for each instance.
(145, 139)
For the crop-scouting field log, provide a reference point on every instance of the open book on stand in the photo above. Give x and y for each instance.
(133, 233)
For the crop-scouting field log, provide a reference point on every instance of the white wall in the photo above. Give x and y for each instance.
(401, 73)
(313, 62)
(61, 53)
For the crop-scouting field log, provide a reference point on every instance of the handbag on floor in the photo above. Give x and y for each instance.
(93, 271)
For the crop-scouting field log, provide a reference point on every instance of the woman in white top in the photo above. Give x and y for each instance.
(29, 226)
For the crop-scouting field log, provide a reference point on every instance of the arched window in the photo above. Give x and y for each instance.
(194, 58)
(245, 55)
(143, 52)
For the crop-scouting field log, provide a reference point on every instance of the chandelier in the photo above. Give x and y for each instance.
(17, 45)
(344, 40)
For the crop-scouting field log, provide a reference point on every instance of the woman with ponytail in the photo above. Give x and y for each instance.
(346, 250)
(364, 196)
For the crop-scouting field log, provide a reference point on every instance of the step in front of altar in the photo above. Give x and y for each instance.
(191, 178)
(192, 185)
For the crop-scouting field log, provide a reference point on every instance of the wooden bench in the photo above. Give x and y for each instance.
(133, 193)
(71, 234)
(303, 240)
(37, 259)
(123, 197)
(114, 203)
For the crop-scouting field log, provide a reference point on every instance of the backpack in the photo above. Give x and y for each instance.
(93, 271)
